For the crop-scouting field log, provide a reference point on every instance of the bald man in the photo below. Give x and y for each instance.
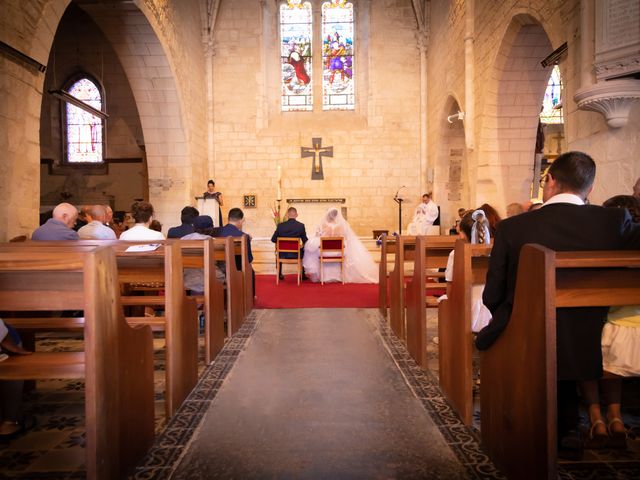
(60, 227)
(95, 229)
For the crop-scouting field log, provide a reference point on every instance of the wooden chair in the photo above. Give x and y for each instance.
(288, 245)
(331, 251)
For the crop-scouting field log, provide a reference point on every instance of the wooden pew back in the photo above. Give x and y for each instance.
(519, 375)
(455, 347)
(429, 253)
(163, 266)
(117, 362)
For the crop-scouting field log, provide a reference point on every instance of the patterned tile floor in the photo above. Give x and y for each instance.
(54, 448)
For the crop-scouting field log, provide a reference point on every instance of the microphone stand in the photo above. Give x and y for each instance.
(399, 201)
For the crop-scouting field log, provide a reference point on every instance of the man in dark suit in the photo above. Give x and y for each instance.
(233, 228)
(187, 217)
(564, 223)
(292, 228)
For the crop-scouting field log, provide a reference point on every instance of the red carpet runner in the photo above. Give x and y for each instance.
(313, 295)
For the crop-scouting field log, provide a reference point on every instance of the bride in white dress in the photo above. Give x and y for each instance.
(359, 266)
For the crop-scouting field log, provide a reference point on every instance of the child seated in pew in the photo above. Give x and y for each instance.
(11, 391)
(474, 228)
(620, 356)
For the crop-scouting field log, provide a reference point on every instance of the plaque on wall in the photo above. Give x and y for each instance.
(617, 38)
(249, 201)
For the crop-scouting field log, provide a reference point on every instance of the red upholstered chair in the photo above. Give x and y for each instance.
(291, 247)
(331, 251)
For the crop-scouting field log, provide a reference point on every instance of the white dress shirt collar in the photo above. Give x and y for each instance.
(565, 198)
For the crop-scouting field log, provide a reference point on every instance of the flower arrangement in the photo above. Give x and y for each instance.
(275, 210)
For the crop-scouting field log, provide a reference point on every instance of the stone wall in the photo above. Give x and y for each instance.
(508, 87)
(376, 147)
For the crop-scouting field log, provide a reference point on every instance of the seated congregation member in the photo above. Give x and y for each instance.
(11, 422)
(564, 223)
(620, 356)
(155, 225)
(194, 277)
(96, 228)
(292, 228)
(359, 266)
(474, 228)
(142, 213)
(187, 216)
(514, 209)
(233, 228)
(60, 226)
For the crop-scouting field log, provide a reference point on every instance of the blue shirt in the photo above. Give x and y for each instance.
(54, 230)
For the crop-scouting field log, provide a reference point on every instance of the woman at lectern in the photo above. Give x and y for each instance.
(211, 193)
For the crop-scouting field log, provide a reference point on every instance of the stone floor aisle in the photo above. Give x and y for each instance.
(317, 395)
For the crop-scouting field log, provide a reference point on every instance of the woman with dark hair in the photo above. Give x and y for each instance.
(142, 213)
(492, 216)
(217, 196)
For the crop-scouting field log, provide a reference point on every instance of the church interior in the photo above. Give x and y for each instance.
(364, 107)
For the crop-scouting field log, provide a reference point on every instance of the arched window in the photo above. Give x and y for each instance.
(296, 34)
(552, 102)
(337, 56)
(297, 61)
(84, 131)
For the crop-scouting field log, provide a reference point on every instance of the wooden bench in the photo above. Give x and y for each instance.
(519, 376)
(429, 253)
(117, 362)
(455, 346)
(162, 266)
(438, 248)
(387, 247)
(241, 252)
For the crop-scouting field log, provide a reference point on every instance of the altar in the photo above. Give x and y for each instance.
(311, 211)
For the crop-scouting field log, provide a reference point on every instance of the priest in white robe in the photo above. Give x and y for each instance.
(426, 213)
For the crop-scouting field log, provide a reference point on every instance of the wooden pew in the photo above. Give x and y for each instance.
(247, 274)
(438, 248)
(236, 296)
(455, 348)
(163, 266)
(387, 247)
(429, 253)
(518, 402)
(204, 254)
(117, 362)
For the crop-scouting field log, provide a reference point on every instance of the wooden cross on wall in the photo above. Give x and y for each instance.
(316, 171)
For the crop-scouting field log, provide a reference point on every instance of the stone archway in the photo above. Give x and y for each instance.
(506, 158)
(451, 171)
(152, 82)
(21, 92)
(175, 147)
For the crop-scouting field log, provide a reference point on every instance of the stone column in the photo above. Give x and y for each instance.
(422, 38)
(469, 75)
(209, 55)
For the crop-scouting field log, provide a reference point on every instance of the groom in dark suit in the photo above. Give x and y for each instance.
(564, 223)
(293, 229)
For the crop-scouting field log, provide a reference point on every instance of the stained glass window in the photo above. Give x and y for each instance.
(337, 56)
(84, 130)
(296, 33)
(552, 102)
